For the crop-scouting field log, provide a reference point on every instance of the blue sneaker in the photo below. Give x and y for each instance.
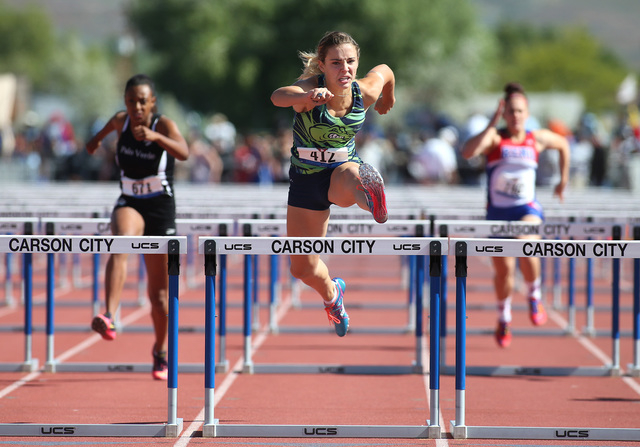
(336, 313)
(373, 187)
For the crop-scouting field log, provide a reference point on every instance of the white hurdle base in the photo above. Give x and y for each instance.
(89, 430)
(29, 366)
(633, 370)
(315, 431)
(547, 371)
(557, 433)
(118, 367)
(281, 368)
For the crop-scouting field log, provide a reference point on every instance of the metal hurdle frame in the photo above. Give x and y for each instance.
(24, 225)
(49, 245)
(98, 226)
(192, 228)
(420, 247)
(10, 225)
(337, 227)
(462, 248)
(498, 229)
(249, 306)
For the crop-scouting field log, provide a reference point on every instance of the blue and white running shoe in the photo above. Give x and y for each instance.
(336, 312)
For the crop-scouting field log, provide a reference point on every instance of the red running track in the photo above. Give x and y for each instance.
(373, 283)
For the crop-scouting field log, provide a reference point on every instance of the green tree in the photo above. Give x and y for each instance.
(28, 43)
(228, 56)
(58, 65)
(559, 59)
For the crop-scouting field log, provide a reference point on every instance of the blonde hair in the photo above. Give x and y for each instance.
(329, 40)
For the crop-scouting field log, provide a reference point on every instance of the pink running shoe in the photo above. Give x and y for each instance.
(537, 314)
(503, 334)
(104, 326)
(160, 366)
(373, 187)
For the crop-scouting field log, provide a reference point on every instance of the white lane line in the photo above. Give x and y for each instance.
(72, 351)
(586, 343)
(18, 383)
(597, 352)
(231, 377)
(93, 339)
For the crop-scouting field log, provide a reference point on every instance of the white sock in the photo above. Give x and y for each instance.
(534, 289)
(504, 310)
(335, 297)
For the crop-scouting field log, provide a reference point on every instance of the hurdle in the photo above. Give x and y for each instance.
(9, 225)
(190, 228)
(551, 249)
(26, 226)
(523, 248)
(549, 229)
(553, 229)
(336, 227)
(420, 247)
(98, 226)
(49, 245)
(270, 226)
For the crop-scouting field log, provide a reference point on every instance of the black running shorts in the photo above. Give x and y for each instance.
(309, 191)
(158, 212)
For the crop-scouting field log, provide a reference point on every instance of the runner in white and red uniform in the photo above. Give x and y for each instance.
(511, 176)
(512, 161)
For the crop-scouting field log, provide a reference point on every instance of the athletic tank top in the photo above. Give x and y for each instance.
(143, 164)
(511, 172)
(321, 140)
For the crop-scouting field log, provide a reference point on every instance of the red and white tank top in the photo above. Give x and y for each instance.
(511, 172)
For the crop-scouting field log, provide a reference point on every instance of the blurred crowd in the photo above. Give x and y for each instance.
(426, 151)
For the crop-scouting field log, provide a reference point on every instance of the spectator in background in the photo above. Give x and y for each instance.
(588, 130)
(471, 171)
(205, 164)
(253, 161)
(376, 150)
(435, 160)
(222, 134)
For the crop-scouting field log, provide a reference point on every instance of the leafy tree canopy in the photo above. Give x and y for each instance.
(27, 43)
(559, 59)
(228, 56)
(59, 65)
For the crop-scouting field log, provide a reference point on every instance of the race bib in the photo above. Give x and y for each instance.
(324, 157)
(518, 186)
(145, 187)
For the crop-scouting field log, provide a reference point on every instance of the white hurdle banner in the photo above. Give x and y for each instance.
(211, 247)
(50, 245)
(505, 229)
(462, 248)
(335, 228)
(549, 229)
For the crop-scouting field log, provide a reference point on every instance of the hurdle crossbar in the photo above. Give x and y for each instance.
(50, 245)
(420, 247)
